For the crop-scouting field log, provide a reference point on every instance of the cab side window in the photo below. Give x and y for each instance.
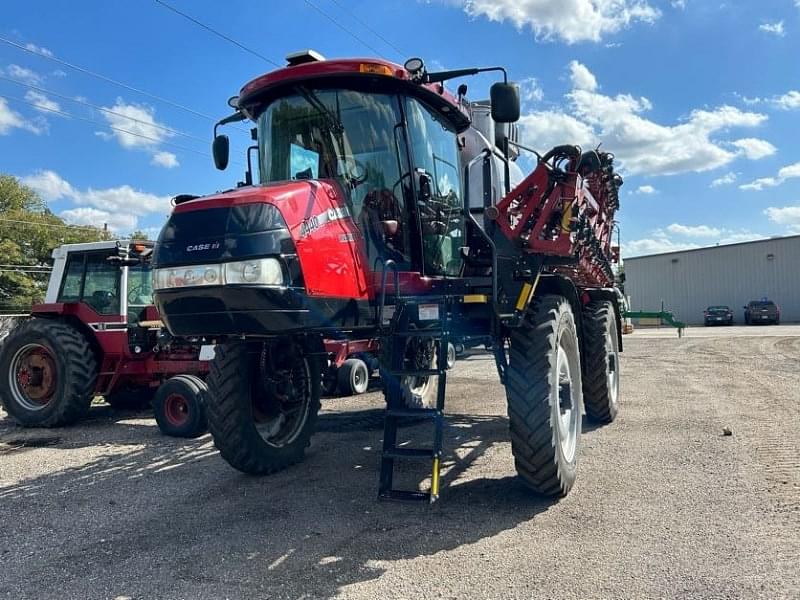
(73, 279)
(101, 285)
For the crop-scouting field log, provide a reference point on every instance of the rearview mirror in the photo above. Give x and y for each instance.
(505, 102)
(220, 149)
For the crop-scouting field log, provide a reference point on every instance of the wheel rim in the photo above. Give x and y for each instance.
(612, 362)
(33, 377)
(281, 414)
(360, 378)
(451, 355)
(176, 409)
(421, 355)
(568, 409)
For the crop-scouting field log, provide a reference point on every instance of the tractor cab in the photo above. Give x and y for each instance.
(111, 279)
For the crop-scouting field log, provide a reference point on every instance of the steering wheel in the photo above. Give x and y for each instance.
(134, 292)
(355, 171)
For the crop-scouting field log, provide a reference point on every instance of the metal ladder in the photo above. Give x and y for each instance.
(408, 322)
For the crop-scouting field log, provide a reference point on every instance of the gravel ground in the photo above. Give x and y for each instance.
(664, 506)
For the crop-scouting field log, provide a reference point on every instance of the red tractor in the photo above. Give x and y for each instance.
(98, 334)
(387, 208)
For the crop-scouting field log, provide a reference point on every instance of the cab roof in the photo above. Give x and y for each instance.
(352, 70)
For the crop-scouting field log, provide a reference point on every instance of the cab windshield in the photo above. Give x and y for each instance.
(357, 138)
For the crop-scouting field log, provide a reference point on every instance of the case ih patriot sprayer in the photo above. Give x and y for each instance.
(388, 209)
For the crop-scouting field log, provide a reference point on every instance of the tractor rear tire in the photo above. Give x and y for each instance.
(48, 373)
(236, 410)
(601, 362)
(353, 377)
(179, 406)
(543, 387)
(131, 398)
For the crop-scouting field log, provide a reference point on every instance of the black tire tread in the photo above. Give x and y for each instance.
(596, 395)
(81, 365)
(200, 392)
(230, 418)
(532, 352)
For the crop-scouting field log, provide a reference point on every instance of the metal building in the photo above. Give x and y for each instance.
(690, 280)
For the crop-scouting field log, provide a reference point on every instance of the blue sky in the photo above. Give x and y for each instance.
(698, 99)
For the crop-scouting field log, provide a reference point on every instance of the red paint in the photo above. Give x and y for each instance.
(342, 67)
(342, 349)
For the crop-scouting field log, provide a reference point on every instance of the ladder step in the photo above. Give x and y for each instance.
(410, 453)
(406, 496)
(413, 413)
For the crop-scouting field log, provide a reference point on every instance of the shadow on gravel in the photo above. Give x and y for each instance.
(171, 519)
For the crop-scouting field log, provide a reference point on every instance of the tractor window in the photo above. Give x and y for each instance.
(140, 285)
(355, 138)
(73, 277)
(434, 150)
(101, 286)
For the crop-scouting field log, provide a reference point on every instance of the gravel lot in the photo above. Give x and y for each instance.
(664, 506)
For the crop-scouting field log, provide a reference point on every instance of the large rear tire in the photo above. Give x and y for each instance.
(47, 374)
(262, 404)
(601, 362)
(543, 387)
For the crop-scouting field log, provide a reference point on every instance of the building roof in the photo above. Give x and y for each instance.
(776, 238)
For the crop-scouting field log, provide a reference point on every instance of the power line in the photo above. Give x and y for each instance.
(340, 26)
(92, 121)
(103, 109)
(74, 227)
(376, 33)
(105, 78)
(218, 33)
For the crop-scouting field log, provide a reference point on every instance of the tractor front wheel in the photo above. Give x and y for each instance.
(263, 403)
(47, 374)
(179, 406)
(543, 387)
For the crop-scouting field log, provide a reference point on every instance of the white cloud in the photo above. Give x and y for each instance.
(165, 159)
(49, 185)
(582, 78)
(10, 119)
(726, 179)
(119, 206)
(41, 102)
(569, 20)
(788, 172)
(788, 216)
(645, 189)
(660, 240)
(773, 28)
(39, 50)
(530, 90)
(98, 218)
(23, 74)
(701, 231)
(681, 4)
(138, 124)
(755, 149)
(641, 145)
(788, 101)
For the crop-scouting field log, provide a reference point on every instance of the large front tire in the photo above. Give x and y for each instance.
(48, 373)
(544, 392)
(262, 404)
(601, 366)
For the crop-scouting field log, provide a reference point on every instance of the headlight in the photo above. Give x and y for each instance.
(260, 271)
(263, 271)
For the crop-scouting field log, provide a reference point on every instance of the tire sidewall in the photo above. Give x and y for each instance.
(566, 332)
(30, 334)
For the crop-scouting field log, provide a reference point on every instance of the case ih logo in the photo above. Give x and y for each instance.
(197, 247)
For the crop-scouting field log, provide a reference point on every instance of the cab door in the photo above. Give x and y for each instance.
(439, 207)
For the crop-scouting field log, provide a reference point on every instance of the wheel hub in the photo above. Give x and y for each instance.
(33, 376)
(568, 412)
(176, 408)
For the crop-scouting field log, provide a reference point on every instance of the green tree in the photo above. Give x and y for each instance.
(28, 233)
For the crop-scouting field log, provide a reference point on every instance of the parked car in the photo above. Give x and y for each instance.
(762, 311)
(718, 315)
